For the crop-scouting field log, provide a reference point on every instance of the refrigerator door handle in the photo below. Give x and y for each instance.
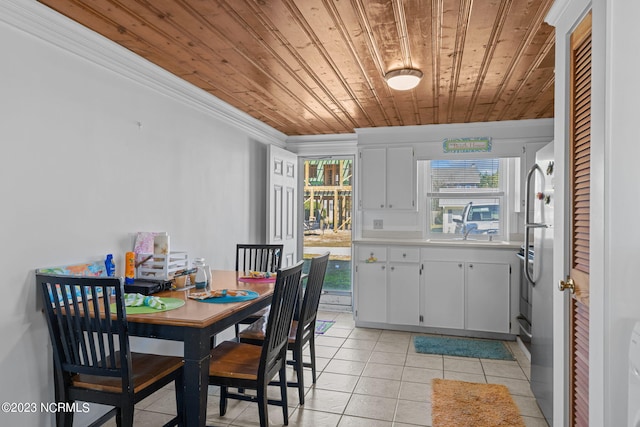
(527, 215)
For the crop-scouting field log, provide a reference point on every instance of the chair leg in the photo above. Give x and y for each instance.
(64, 418)
(283, 392)
(312, 350)
(126, 415)
(179, 385)
(299, 365)
(237, 332)
(263, 410)
(223, 400)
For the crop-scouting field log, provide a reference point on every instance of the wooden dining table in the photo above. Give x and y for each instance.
(194, 324)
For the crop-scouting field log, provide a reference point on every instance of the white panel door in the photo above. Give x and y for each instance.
(281, 199)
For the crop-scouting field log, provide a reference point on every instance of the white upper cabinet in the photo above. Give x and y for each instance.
(387, 178)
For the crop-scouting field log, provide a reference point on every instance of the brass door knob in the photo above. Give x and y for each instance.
(567, 284)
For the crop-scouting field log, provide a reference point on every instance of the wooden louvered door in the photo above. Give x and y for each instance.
(579, 198)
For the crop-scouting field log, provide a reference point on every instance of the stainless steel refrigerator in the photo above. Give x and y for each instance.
(539, 233)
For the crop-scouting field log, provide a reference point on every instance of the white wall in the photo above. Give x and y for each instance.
(91, 155)
(622, 197)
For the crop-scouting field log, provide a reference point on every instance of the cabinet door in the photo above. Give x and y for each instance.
(444, 294)
(372, 292)
(487, 297)
(404, 293)
(373, 171)
(401, 178)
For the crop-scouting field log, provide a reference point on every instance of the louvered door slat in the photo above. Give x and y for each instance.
(580, 204)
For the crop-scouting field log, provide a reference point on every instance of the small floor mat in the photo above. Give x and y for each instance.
(465, 404)
(464, 347)
(323, 325)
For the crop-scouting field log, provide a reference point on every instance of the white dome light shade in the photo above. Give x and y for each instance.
(404, 79)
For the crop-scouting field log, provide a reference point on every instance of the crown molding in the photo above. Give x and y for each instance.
(314, 145)
(52, 27)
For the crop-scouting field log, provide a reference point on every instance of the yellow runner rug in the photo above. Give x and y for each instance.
(463, 404)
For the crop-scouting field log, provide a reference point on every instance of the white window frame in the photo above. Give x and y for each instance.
(502, 195)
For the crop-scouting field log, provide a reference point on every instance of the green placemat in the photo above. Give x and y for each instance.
(171, 303)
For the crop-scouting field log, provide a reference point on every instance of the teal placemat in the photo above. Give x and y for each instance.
(226, 299)
(171, 303)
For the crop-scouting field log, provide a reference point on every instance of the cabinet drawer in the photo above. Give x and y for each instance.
(404, 254)
(368, 252)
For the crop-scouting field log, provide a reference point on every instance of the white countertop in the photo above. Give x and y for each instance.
(469, 243)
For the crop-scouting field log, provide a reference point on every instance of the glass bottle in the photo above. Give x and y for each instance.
(202, 277)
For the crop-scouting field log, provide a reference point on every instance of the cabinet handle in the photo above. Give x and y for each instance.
(393, 268)
(390, 206)
(460, 265)
(404, 255)
(470, 265)
(382, 206)
(383, 267)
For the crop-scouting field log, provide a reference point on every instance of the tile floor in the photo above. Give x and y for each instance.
(367, 377)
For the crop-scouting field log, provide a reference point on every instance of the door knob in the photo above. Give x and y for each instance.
(567, 284)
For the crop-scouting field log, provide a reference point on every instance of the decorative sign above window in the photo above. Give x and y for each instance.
(467, 145)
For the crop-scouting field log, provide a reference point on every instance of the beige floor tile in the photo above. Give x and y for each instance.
(337, 332)
(350, 367)
(395, 336)
(464, 376)
(391, 347)
(414, 413)
(378, 408)
(360, 344)
(336, 382)
(365, 334)
(165, 403)
(377, 370)
(503, 370)
(528, 406)
(420, 375)
(535, 422)
(326, 352)
(516, 387)
(378, 387)
(419, 392)
(328, 341)
(326, 400)
(429, 361)
(250, 418)
(349, 421)
(353, 354)
(234, 409)
(388, 358)
(304, 417)
(467, 365)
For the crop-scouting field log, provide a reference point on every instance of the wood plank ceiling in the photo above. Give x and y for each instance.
(308, 67)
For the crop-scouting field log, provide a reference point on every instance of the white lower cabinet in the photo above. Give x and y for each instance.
(443, 294)
(449, 289)
(487, 297)
(404, 293)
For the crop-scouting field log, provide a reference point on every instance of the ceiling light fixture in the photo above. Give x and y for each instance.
(404, 79)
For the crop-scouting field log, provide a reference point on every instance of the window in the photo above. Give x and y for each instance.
(465, 198)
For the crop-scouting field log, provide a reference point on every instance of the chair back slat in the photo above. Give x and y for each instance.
(256, 257)
(87, 338)
(286, 291)
(311, 300)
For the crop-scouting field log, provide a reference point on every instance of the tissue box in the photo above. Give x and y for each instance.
(161, 266)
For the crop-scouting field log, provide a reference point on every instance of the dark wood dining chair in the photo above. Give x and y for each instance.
(257, 257)
(302, 329)
(92, 360)
(246, 366)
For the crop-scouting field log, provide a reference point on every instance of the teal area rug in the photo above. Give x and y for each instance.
(465, 347)
(323, 325)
